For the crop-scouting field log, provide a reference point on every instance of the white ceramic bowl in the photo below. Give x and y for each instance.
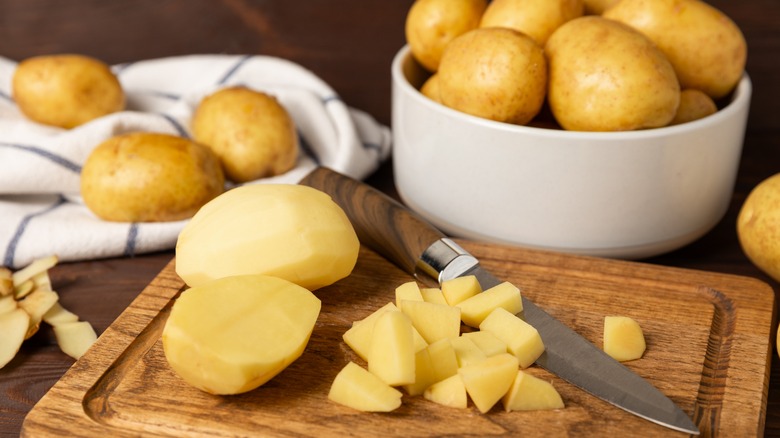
(623, 195)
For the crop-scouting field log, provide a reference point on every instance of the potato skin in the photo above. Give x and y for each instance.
(149, 177)
(607, 76)
(706, 48)
(251, 133)
(66, 90)
(494, 73)
(535, 18)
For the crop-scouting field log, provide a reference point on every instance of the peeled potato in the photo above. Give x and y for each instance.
(234, 334)
(66, 90)
(149, 177)
(289, 231)
(251, 133)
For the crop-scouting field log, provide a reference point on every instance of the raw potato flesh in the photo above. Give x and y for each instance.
(529, 393)
(234, 334)
(460, 289)
(522, 340)
(358, 337)
(357, 388)
(282, 230)
(475, 309)
(391, 356)
(407, 291)
(487, 381)
(433, 321)
(623, 338)
(449, 392)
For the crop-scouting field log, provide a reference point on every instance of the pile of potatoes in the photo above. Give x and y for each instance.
(238, 135)
(597, 65)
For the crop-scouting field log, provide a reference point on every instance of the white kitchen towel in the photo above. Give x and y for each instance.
(40, 208)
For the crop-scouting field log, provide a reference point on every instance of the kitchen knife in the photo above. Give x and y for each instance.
(407, 240)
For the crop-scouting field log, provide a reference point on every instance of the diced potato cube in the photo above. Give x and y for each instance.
(487, 381)
(391, 356)
(522, 340)
(450, 392)
(487, 342)
(467, 351)
(433, 295)
(424, 374)
(358, 337)
(443, 358)
(458, 289)
(623, 338)
(75, 338)
(506, 295)
(530, 393)
(433, 321)
(357, 388)
(407, 291)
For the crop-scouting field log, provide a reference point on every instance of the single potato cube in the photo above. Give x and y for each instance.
(13, 326)
(623, 338)
(233, 334)
(486, 382)
(475, 309)
(433, 295)
(425, 374)
(358, 337)
(443, 359)
(487, 342)
(357, 388)
(407, 291)
(522, 340)
(391, 356)
(529, 393)
(449, 392)
(433, 321)
(75, 338)
(460, 289)
(467, 351)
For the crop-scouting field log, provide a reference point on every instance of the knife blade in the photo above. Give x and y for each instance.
(409, 241)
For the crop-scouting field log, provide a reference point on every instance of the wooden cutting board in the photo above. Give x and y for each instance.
(709, 345)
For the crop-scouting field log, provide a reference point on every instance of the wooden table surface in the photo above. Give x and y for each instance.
(349, 44)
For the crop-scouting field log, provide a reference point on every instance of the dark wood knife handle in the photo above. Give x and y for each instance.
(381, 223)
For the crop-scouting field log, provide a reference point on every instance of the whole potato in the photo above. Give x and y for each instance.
(535, 18)
(494, 73)
(758, 226)
(694, 105)
(251, 133)
(706, 48)
(432, 24)
(149, 177)
(606, 76)
(430, 88)
(66, 90)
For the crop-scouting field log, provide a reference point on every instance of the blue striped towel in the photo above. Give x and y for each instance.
(40, 208)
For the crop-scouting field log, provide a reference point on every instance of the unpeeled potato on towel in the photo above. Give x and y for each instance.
(250, 131)
(66, 90)
(149, 177)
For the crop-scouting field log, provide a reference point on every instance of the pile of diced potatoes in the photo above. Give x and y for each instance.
(417, 344)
